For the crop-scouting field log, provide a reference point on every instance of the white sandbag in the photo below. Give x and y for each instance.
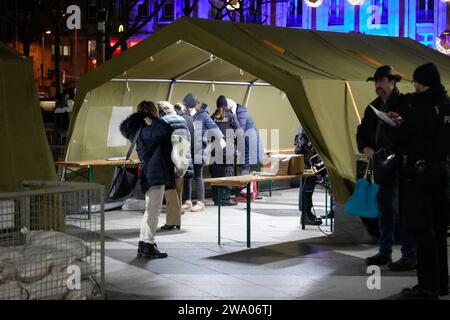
(61, 260)
(85, 268)
(52, 287)
(58, 241)
(12, 290)
(9, 253)
(9, 272)
(31, 270)
(134, 205)
(87, 291)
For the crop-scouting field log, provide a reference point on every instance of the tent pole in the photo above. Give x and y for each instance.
(169, 94)
(247, 94)
(263, 84)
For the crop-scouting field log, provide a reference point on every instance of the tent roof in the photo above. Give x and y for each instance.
(317, 71)
(300, 53)
(9, 53)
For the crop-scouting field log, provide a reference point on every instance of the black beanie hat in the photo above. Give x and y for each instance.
(427, 75)
(222, 102)
(189, 101)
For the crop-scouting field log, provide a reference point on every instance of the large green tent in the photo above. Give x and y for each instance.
(282, 75)
(25, 151)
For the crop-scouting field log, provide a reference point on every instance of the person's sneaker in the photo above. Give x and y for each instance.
(228, 203)
(404, 264)
(378, 260)
(151, 251)
(199, 206)
(417, 293)
(187, 206)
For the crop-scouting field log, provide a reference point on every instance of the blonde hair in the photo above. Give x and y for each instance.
(164, 105)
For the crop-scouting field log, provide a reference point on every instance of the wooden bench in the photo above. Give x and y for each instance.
(246, 181)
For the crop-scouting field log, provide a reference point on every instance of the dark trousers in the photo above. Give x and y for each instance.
(218, 171)
(432, 264)
(199, 184)
(307, 195)
(425, 207)
(388, 199)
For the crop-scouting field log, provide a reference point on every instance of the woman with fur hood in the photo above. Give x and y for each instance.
(154, 149)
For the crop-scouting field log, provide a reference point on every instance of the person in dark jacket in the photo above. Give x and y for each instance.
(154, 148)
(253, 152)
(204, 130)
(304, 146)
(373, 142)
(173, 196)
(423, 141)
(224, 163)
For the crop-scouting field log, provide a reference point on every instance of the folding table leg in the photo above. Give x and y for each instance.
(302, 201)
(248, 215)
(219, 196)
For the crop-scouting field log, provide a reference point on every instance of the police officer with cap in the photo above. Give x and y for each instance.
(422, 137)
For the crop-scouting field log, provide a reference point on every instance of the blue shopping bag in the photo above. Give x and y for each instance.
(364, 202)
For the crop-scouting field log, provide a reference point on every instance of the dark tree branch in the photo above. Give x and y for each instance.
(137, 26)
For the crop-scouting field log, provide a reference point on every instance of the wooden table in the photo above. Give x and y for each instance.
(247, 180)
(280, 150)
(89, 165)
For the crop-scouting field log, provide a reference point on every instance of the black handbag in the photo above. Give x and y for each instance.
(124, 181)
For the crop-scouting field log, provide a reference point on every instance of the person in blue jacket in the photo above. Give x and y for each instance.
(154, 148)
(253, 152)
(204, 130)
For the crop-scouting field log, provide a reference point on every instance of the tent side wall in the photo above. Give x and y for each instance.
(96, 133)
(97, 125)
(25, 150)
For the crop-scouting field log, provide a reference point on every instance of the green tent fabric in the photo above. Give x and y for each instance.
(25, 152)
(283, 75)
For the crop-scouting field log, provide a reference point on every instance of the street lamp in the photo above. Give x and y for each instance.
(48, 32)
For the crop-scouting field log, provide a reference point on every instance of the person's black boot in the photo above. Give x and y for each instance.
(228, 203)
(151, 251)
(311, 219)
(140, 249)
(404, 264)
(168, 227)
(417, 293)
(378, 260)
(443, 291)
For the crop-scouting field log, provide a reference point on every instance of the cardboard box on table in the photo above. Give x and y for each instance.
(283, 164)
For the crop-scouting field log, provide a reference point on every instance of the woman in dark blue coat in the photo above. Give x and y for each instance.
(154, 149)
(223, 166)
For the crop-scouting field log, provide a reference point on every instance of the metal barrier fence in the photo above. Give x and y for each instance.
(52, 242)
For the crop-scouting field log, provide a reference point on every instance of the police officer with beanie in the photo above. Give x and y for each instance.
(423, 146)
